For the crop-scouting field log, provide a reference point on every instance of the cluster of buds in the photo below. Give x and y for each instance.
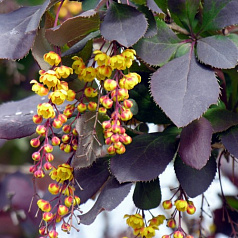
(136, 222)
(68, 9)
(181, 205)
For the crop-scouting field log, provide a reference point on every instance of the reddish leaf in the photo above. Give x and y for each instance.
(184, 89)
(195, 182)
(195, 143)
(218, 14)
(124, 24)
(230, 141)
(91, 179)
(221, 119)
(145, 158)
(111, 196)
(218, 51)
(18, 32)
(73, 28)
(153, 6)
(158, 49)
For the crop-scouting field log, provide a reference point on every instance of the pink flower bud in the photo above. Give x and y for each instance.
(54, 188)
(35, 142)
(48, 148)
(36, 156)
(49, 157)
(53, 234)
(81, 107)
(62, 210)
(55, 140)
(62, 118)
(48, 166)
(65, 139)
(37, 119)
(57, 123)
(167, 204)
(66, 128)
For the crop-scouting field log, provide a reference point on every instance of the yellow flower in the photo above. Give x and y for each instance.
(45, 110)
(118, 62)
(88, 74)
(64, 172)
(63, 71)
(62, 85)
(129, 55)
(159, 220)
(130, 80)
(58, 97)
(39, 88)
(181, 205)
(134, 221)
(103, 72)
(52, 58)
(49, 78)
(78, 64)
(101, 58)
(148, 232)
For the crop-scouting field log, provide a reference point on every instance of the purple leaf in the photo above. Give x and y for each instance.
(124, 24)
(153, 6)
(230, 141)
(195, 143)
(18, 32)
(158, 49)
(91, 179)
(218, 14)
(145, 158)
(184, 89)
(221, 119)
(111, 196)
(218, 51)
(195, 182)
(73, 28)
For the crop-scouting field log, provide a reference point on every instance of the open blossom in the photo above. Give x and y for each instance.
(52, 58)
(134, 221)
(45, 110)
(49, 78)
(62, 173)
(58, 97)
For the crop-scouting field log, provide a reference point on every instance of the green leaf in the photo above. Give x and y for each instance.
(218, 51)
(159, 49)
(234, 38)
(124, 24)
(69, 30)
(195, 182)
(140, 2)
(184, 89)
(145, 158)
(221, 119)
(218, 14)
(147, 195)
(195, 143)
(89, 4)
(18, 32)
(182, 50)
(185, 10)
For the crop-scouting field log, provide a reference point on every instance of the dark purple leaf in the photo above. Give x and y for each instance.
(124, 24)
(221, 119)
(18, 32)
(185, 10)
(218, 51)
(73, 28)
(153, 6)
(230, 141)
(218, 14)
(195, 182)
(147, 195)
(195, 143)
(91, 179)
(158, 49)
(184, 89)
(145, 158)
(111, 196)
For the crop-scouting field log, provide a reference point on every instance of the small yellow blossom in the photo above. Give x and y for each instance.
(78, 64)
(49, 78)
(88, 74)
(62, 173)
(118, 62)
(63, 71)
(58, 97)
(101, 58)
(46, 110)
(103, 72)
(130, 80)
(158, 220)
(39, 88)
(134, 221)
(52, 58)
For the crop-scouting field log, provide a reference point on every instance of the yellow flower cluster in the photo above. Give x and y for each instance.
(136, 222)
(62, 173)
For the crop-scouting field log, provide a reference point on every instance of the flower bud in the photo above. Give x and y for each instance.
(127, 104)
(171, 223)
(115, 138)
(90, 92)
(75, 132)
(125, 139)
(68, 201)
(47, 216)
(36, 156)
(62, 210)
(181, 205)
(49, 157)
(191, 209)
(106, 125)
(55, 140)
(102, 110)
(48, 166)
(57, 123)
(53, 234)
(54, 188)
(62, 118)
(81, 107)
(70, 95)
(111, 150)
(107, 103)
(58, 218)
(40, 129)
(121, 150)
(44, 205)
(39, 173)
(108, 141)
(37, 119)
(167, 204)
(178, 234)
(126, 115)
(107, 133)
(77, 200)
(62, 146)
(166, 236)
(35, 142)
(66, 128)
(32, 169)
(92, 106)
(110, 84)
(65, 139)
(65, 227)
(48, 148)
(43, 230)
(67, 148)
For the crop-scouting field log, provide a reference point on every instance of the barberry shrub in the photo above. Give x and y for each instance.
(107, 69)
